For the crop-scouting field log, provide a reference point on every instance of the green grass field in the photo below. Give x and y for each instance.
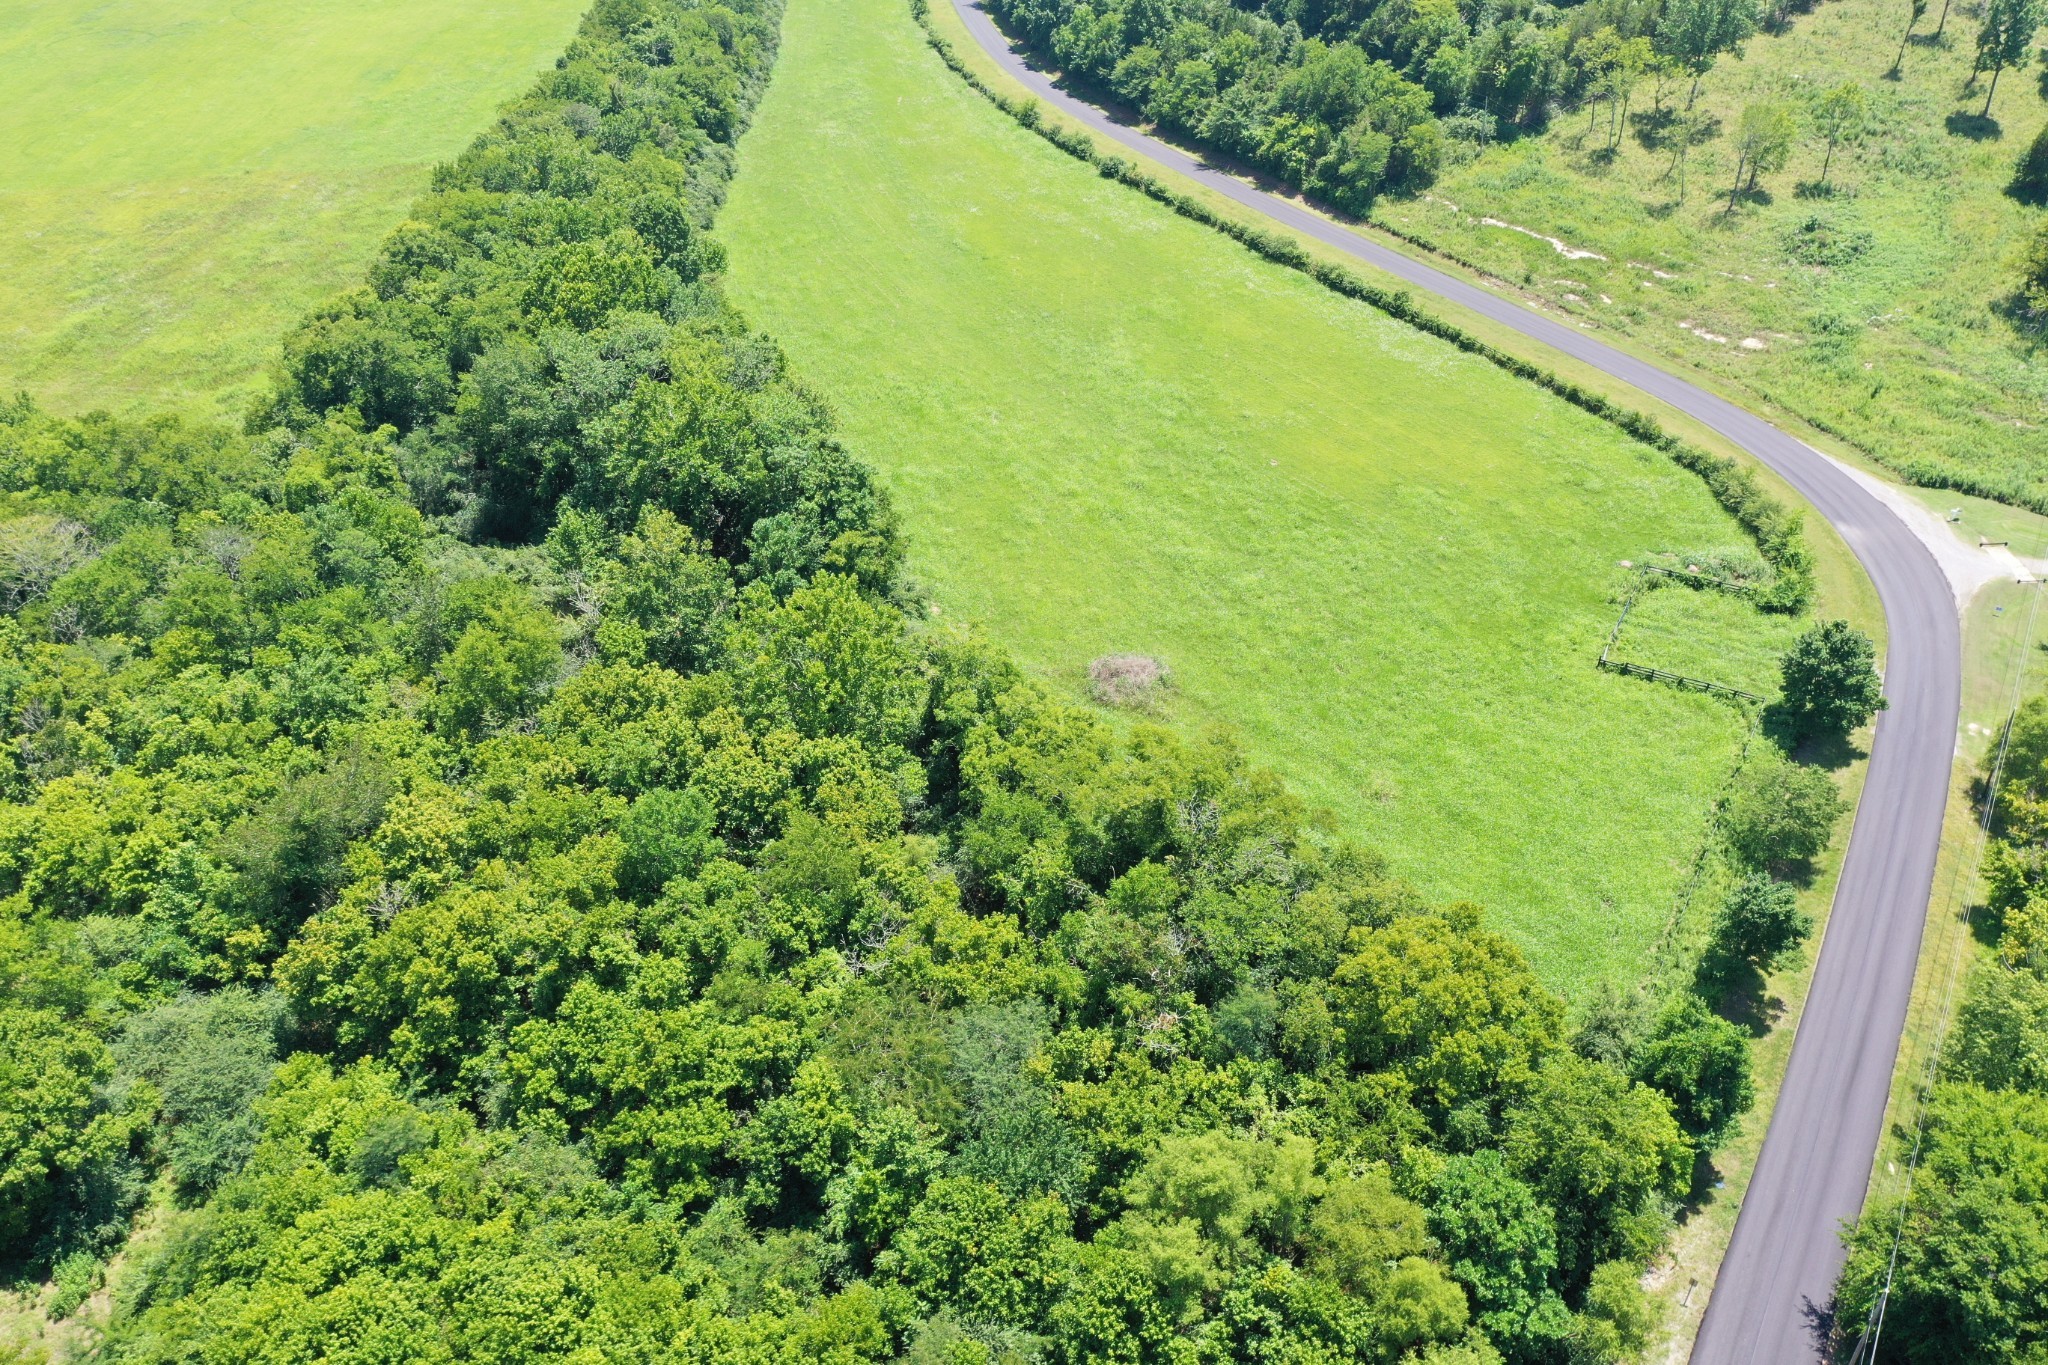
(1386, 564)
(1906, 347)
(184, 178)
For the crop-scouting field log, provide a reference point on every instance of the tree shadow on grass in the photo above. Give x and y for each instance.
(1750, 196)
(1706, 1178)
(1652, 127)
(1975, 127)
(2030, 322)
(1832, 752)
(1738, 991)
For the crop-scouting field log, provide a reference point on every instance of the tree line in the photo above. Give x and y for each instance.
(497, 857)
(1349, 99)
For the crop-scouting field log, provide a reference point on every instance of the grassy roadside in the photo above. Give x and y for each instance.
(2003, 661)
(1899, 333)
(1683, 1279)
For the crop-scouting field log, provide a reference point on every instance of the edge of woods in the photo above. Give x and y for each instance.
(1684, 1277)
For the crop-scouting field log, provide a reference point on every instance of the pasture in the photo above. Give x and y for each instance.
(1878, 304)
(1387, 565)
(184, 178)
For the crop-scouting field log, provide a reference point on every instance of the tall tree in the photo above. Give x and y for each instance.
(1687, 132)
(1626, 68)
(1919, 9)
(2004, 39)
(1838, 117)
(1696, 32)
(1763, 142)
(1830, 682)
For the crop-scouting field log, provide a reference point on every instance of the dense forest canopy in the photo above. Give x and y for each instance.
(498, 864)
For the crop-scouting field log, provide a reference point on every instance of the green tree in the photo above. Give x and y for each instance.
(1602, 1151)
(1970, 1282)
(1778, 811)
(1239, 1194)
(670, 589)
(2005, 38)
(1763, 142)
(1919, 10)
(1759, 921)
(1695, 33)
(2000, 1039)
(1450, 1006)
(1838, 116)
(1700, 1062)
(1829, 681)
(1688, 130)
(667, 834)
(1361, 1230)
(506, 650)
(1618, 1317)
(1626, 65)
(969, 1246)
(1499, 1241)
(828, 661)
(54, 1124)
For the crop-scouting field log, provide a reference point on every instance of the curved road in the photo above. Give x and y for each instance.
(1769, 1301)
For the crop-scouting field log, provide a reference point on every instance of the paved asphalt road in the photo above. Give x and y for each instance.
(1769, 1303)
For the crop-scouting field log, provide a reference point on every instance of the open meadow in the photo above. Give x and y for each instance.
(1388, 565)
(183, 178)
(1879, 304)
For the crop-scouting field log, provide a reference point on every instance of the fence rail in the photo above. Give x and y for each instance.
(1614, 665)
(1679, 679)
(1695, 576)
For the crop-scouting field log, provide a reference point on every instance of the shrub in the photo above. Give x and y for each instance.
(1760, 921)
(1780, 812)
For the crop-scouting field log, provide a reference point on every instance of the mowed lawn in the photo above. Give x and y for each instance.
(1388, 566)
(181, 179)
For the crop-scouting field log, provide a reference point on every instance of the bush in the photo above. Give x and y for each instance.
(1780, 813)
(1760, 921)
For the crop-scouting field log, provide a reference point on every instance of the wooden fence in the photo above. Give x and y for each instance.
(1614, 665)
